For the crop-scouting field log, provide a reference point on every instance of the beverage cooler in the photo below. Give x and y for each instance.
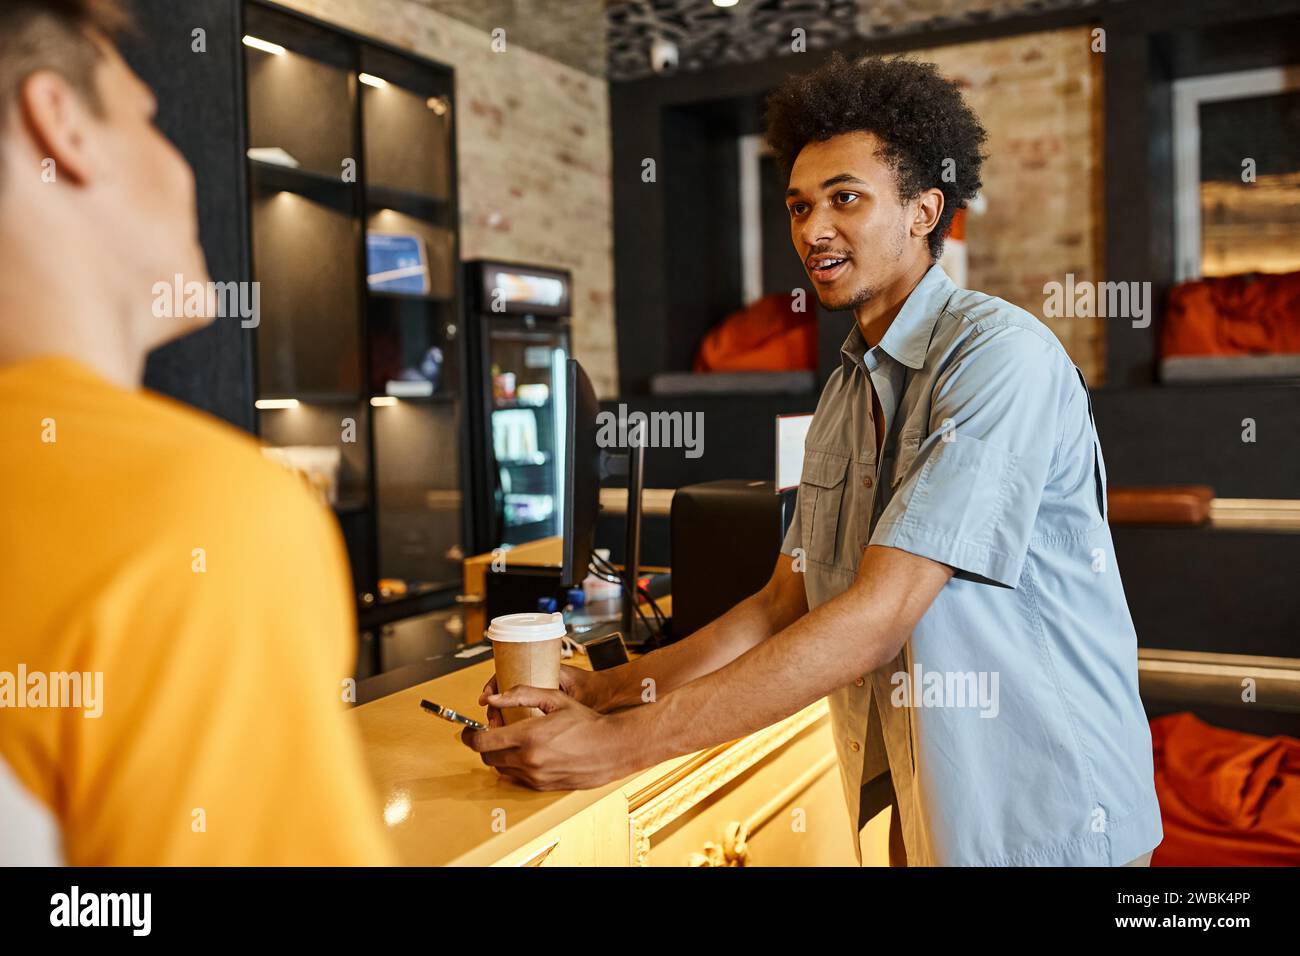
(517, 325)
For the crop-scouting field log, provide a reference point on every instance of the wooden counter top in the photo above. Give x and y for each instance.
(440, 801)
(443, 806)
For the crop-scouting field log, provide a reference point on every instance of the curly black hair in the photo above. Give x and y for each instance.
(918, 115)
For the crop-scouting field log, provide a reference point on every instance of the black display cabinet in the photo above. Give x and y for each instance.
(348, 138)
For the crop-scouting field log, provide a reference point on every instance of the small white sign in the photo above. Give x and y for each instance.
(791, 430)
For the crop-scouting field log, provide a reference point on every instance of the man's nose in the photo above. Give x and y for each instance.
(818, 228)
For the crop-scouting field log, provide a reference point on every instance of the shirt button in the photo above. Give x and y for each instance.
(867, 482)
(860, 681)
(854, 746)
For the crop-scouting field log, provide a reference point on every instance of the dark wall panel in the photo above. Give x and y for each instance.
(1197, 589)
(702, 230)
(639, 280)
(1192, 435)
(200, 109)
(739, 436)
(782, 270)
(1137, 244)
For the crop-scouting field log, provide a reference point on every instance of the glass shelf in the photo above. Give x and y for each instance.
(417, 205)
(329, 190)
(411, 297)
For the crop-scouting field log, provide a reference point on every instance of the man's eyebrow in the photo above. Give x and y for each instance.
(842, 178)
(833, 181)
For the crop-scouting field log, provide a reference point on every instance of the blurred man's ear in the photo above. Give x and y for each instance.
(59, 123)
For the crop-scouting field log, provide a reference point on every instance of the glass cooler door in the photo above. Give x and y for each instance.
(525, 358)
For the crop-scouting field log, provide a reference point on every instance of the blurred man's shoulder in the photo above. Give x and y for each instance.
(214, 466)
(86, 444)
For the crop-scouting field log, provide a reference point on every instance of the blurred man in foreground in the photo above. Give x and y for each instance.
(177, 608)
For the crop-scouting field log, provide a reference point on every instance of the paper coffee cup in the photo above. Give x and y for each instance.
(527, 651)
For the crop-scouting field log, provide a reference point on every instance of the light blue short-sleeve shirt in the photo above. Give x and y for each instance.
(1010, 721)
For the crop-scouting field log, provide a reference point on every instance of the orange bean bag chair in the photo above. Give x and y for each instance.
(767, 336)
(1253, 314)
(1226, 798)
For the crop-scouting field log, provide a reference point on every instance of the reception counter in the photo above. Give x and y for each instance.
(772, 798)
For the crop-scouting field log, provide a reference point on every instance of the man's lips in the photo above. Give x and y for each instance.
(827, 268)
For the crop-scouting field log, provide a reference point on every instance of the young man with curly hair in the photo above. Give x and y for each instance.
(949, 579)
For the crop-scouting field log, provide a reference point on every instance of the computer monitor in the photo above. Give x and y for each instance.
(586, 465)
(582, 474)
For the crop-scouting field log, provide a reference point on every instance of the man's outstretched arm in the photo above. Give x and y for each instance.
(768, 611)
(573, 747)
(848, 636)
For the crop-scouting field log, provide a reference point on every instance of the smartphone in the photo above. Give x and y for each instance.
(446, 713)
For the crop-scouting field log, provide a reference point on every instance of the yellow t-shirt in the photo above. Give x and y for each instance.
(154, 552)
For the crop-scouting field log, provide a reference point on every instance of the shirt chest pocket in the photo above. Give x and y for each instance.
(821, 497)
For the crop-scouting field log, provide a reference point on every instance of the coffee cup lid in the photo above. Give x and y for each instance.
(530, 626)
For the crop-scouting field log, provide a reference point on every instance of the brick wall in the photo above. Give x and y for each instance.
(1039, 97)
(534, 157)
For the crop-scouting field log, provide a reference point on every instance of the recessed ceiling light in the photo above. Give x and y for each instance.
(724, 3)
(269, 403)
(371, 80)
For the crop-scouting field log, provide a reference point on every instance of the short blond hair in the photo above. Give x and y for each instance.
(55, 35)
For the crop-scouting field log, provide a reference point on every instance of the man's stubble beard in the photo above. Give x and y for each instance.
(868, 291)
(859, 298)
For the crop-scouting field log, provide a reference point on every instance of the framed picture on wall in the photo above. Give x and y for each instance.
(1231, 317)
(1237, 173)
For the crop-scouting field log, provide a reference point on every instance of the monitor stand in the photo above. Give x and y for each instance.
(632, 465)
(605, 616)
(640, 638)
